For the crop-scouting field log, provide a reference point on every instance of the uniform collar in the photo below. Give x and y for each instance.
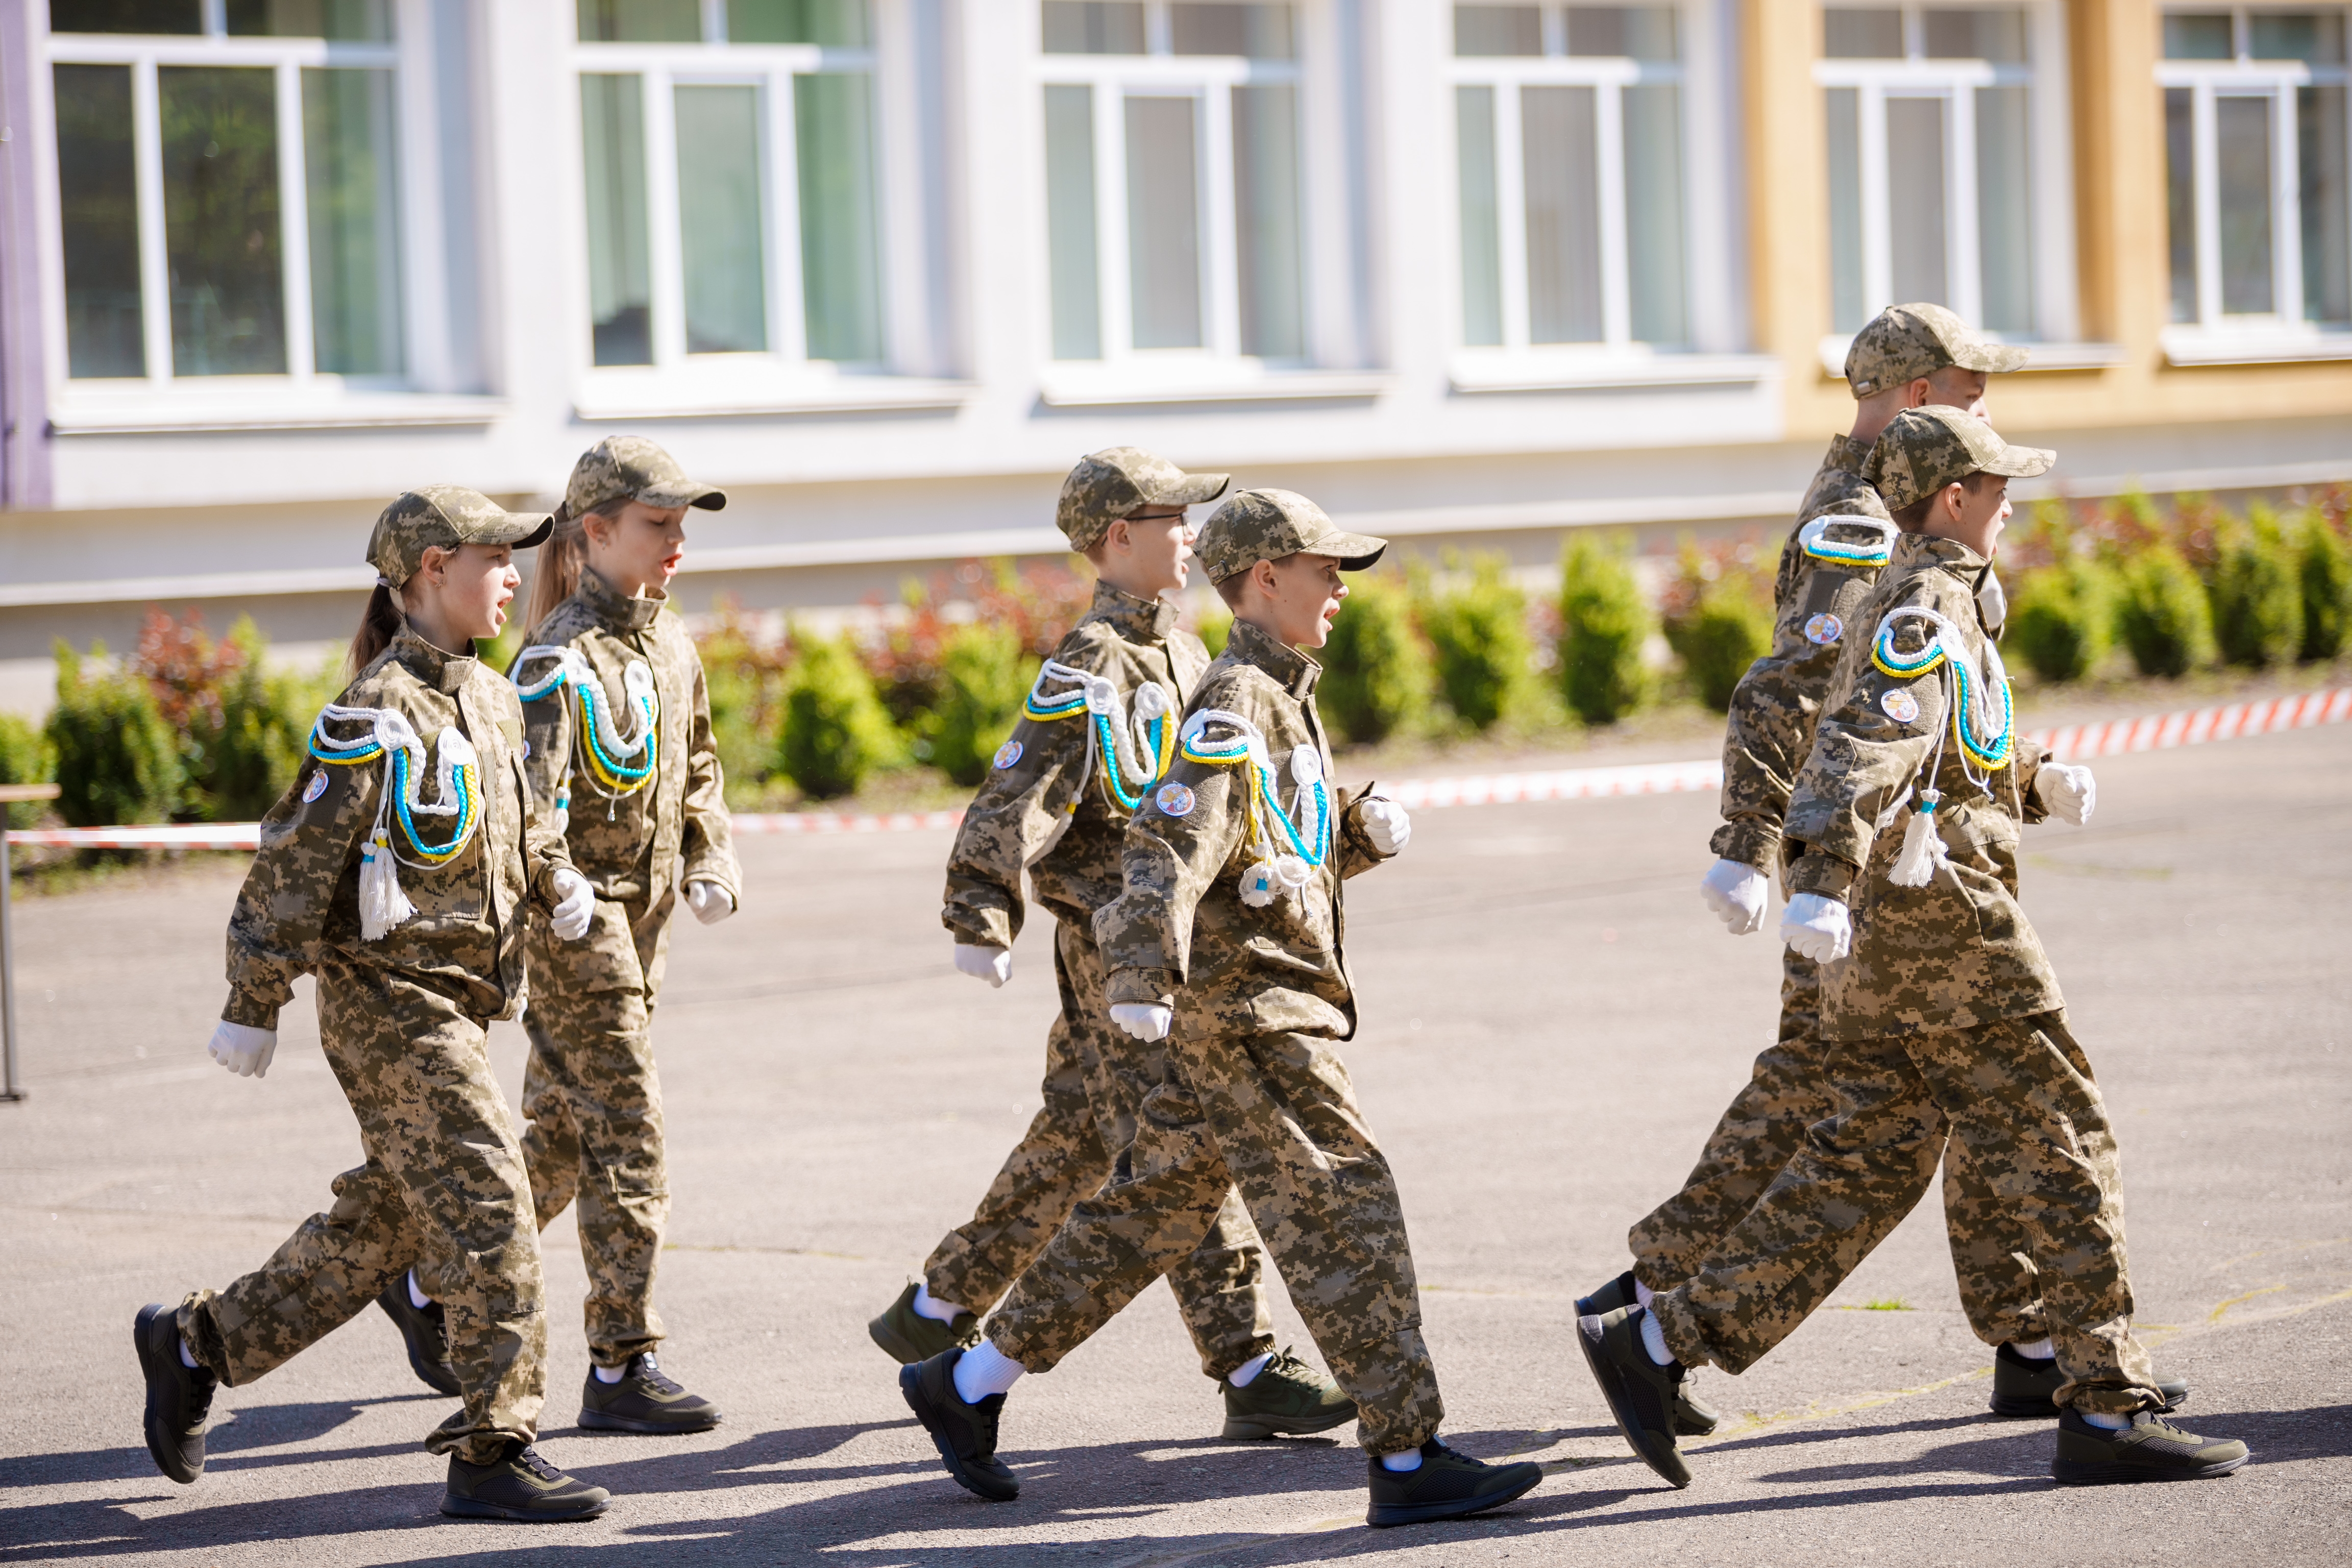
(1137, 620)
(616, 611)
(1847, 453)
(1291, 669)
(1950, 553)
(441, 671)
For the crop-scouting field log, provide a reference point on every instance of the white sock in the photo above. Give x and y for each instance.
(2034, 1350)
(611, 1374)
(1240, 1376)
(2105, 1423)
(1653, 1340)
(929, 1306)
(1643, 1293)
(1399, 1463)
(186, 1359)
(416, 1298)
(984, 1370)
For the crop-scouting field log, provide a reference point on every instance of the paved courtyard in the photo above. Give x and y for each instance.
(1552, 1023)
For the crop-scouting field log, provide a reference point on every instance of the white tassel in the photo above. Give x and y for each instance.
(1258, 885)
(1923, 846)
(382, 903)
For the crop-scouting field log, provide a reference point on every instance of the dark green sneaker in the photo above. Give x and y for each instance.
(2150, 1449)
(964, 1434)
(1693, 1417)
(643, 1401)
(1448, 1485)
(2023, 1386)
(907, 1336)
(1286, 1396)
(425, 1330)
(179, 1397)
(1640, 1392)
(519, 1485)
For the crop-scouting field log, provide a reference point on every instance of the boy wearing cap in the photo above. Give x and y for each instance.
(1226, 941)
(1095, 735)
(1942, 1011)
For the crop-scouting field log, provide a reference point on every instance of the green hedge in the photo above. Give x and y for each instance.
(2163, 613)
(1726, 626)
(1604, 623)
(117, 761)
(1376, 673)
(24, 758)
(1478, 633)
(2062, 620)
(2324, 571)
(834, 731)
(984, 675)
(2257, 595)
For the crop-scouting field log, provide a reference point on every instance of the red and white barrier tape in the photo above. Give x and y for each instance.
(2073, 742)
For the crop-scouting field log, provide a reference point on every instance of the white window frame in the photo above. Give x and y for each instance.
(2057, 318)
(2276, 81)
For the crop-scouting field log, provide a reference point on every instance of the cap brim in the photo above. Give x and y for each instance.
(709, 497)
(522, 530)
(1192, 490)
(1991, 358)
(2021, 462)
(1356, 551)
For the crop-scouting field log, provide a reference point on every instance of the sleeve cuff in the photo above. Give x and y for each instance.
(1151, 986)
(251, 1011)
(980, 927)
(1749, 840)
(1817, 871)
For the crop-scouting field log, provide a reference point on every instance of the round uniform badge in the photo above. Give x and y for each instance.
(1174, 800)
(1901, 706)
(1824, 629)
(316, 787)
(1008, 754)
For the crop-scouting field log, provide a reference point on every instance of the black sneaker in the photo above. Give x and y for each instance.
(907, 1336)
(425, 1330)
(964, 1434)
(179, 1397)
(2149, 1449)
(644, 1400)
(1693, 1417)
(1288, 1396)
(2023, 1385)
(1640, 1392)
(519, 1485)
(1447, 1484)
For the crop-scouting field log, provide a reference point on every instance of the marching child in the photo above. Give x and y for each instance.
(398, 871)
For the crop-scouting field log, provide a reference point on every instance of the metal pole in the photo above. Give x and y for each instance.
(12, 1091)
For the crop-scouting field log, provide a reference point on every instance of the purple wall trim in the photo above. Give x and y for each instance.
(24, 381)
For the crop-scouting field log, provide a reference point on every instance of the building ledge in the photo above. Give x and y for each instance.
(273, 404)
(2188, 346)
(197, 585)
(1071, 385)
(2041, 356)
(1575, 370)
(758, 390)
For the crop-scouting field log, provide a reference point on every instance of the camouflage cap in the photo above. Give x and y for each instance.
(1923, 449)
(1266, 525)
(446, 516)
(630, 468)
(1109, 485)
(1904, 343)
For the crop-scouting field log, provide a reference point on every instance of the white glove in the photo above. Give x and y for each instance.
(1735, 890)
(576, 905)
(710, 902)
(1388, 825)
(1818, 928)
(1144, 1020)
(244, 1049)
(993, 965)
(2069, 793)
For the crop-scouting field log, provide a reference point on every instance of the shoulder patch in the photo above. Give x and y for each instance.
(316, 787)
(1008, 754)
(1174, 800)
(1824, 629)
(1901, 706)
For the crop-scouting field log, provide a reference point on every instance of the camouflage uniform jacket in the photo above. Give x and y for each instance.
(1958, 952)
(1815, 599)
(1044, 806)
(301, 897)
(634, 846)
(1180, 921)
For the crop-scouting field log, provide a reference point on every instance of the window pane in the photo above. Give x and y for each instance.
(1654, 212)
(720, 228)
(1914, 199)
(221, 220)
(363, 21)
(1996, 35)
(2243, 164)
(835, 23)
(841, 269)
(1563, 201)
(1847, 311)
(98, 201)
(1497, 30)
(1163, 207)
(1258, 32)
(2327, 226)
(1482, 235)
(2004, 210)
(2197, 37)
(126, 16)
(2181, 197)
(350, 180)
(640, 21)
(1070, 222)
(620, 293)
(2318, 40)
(1266, 202)
(1874, 35)
(1094, 27)
(1639, 32)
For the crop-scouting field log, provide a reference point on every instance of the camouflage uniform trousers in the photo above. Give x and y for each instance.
(592, 1102)
(443, 1188)
(1095, 1076)
(1764, 1128)
(1274, 1114)
(2018, 1096)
